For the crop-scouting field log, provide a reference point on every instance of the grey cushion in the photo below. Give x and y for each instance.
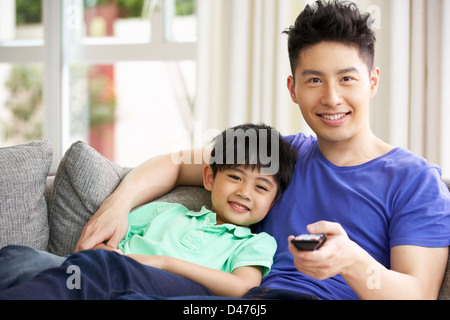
(84, 179)
(193, 198)
(23, 209)
(444, 293)
(447, 182)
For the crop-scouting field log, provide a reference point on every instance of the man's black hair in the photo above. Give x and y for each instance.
(333, 21)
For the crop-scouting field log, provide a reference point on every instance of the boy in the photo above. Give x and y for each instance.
(214, 248)
(384, 210)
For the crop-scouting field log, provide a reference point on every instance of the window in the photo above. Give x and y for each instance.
(21, 109)
(117, 74)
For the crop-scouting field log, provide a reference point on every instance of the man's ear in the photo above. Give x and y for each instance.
(208, 178)
(291, 88)
(374, 81)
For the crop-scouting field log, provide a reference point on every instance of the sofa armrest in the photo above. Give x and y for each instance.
(444, 293)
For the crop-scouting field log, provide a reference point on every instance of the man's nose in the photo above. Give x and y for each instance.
(331, 96)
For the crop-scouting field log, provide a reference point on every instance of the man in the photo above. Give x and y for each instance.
(385, 212)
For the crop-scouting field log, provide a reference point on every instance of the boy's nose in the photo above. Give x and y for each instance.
(243, 192)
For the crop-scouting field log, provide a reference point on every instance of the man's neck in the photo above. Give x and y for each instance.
(354, 152)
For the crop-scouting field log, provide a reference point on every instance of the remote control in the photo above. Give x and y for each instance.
(309, 242)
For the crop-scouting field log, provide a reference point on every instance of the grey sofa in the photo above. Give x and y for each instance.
(49, 212)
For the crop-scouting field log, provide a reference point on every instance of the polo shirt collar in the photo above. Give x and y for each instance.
(240, 232)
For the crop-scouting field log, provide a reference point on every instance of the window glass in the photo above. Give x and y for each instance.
(125, 19)
(131, 111)
(21, 20)
(21, 111)
(181, 20)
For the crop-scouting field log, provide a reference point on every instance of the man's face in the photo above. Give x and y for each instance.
(333, 88)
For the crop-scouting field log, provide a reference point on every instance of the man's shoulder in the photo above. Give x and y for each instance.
(403, 160)
(300, 140)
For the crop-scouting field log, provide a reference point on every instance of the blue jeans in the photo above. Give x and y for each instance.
(105, 275)
(19, 264)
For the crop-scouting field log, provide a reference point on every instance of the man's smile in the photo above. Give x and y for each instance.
(334, 116)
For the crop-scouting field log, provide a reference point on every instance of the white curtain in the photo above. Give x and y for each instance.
(412, 108)
(243, 66)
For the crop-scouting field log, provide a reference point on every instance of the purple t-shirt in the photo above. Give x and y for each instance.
(396, 199)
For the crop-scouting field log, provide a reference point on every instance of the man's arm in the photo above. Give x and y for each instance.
(221, 283)
(416, 272)
(148, 181)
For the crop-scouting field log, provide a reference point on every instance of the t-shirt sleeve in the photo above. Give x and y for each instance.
(256, 251)
(422, 212)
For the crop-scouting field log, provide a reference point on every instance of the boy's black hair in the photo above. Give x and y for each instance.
(333, 21)
(250, 146)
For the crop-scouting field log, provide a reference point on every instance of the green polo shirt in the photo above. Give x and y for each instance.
(172, 230)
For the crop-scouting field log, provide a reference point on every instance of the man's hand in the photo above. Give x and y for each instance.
(333, 257)
(109, 223)
(105, 247)
(416, 272)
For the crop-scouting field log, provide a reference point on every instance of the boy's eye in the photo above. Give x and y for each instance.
(234, 177)
(262, 188)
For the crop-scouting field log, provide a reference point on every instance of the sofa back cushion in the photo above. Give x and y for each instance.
(23, 209)
(82, 182)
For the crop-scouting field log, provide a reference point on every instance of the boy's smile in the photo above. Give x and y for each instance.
(238, 207)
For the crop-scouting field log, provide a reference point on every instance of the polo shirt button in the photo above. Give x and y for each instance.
(207, 219)
(201, 231)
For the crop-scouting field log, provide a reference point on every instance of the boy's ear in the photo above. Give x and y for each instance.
(208, 178)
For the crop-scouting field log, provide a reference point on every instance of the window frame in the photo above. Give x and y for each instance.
(55, 53)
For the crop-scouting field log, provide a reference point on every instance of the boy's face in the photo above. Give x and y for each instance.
(240, 196)
(333, 88)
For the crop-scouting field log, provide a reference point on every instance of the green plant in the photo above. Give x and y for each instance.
(28, 11)
(24, 103)
(184, 7)
(128, 8)
(102, 100)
